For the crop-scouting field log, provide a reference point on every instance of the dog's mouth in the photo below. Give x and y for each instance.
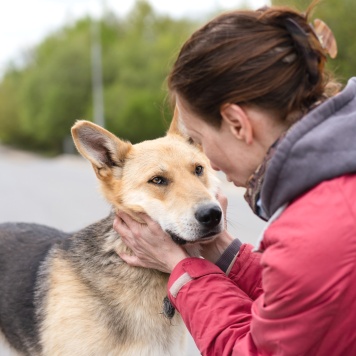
(179, 241)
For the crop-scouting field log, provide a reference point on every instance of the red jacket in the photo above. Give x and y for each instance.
(296, 298)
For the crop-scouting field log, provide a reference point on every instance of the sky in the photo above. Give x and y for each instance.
(24, 23)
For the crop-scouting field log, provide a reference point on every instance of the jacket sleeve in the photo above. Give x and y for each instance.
(243, 267)
(246, 271)
(302, 289)
(216, 320)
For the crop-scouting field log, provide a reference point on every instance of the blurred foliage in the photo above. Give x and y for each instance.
(339, 16)
(40, 100)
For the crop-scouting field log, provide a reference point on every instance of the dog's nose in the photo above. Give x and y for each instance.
(209, 215)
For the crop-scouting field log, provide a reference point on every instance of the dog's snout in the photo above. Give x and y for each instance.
(209, 215)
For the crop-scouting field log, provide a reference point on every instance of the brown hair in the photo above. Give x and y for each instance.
(270, 58)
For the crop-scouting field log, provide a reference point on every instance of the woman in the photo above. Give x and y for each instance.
(251, 89)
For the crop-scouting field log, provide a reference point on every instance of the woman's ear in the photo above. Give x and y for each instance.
(238, 122)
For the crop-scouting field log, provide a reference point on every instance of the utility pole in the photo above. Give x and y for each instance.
(97, 73)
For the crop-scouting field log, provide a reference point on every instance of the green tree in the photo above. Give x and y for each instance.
(138, 65)
(56, 87)
(41, 100)
(10, 127)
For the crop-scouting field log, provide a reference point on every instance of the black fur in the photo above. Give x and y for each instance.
(176, 238)
(22, 249)
(168, 308)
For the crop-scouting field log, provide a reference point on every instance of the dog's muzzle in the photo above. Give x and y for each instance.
(208, 217)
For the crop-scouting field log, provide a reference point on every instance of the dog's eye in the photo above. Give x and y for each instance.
(199, 170)
(158, 180)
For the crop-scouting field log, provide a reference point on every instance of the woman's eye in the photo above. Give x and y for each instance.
(199, 170)
(158, 181)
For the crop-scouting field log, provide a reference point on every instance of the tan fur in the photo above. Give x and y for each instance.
(70, 300)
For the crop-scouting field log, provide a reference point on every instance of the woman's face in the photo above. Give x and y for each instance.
(224, 151)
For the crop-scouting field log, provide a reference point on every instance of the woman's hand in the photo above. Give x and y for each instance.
(152, 247)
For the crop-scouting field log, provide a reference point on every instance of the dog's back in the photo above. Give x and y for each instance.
(22, 249)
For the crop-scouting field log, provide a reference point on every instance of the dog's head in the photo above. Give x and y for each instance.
(168, 178)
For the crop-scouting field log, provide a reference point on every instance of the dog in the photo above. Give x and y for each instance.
(70, 294)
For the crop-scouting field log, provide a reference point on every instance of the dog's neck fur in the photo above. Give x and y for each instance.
(101, 245)
(120, 295)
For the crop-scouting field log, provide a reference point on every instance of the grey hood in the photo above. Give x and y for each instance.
(319, 147)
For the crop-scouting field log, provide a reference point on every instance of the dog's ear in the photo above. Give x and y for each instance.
(176, 128)
(104, 150)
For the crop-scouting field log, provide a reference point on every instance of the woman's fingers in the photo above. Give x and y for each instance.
(136, 226)
(128, 221)
(221, 197)
(120, 226)
(131, 260)
(147, 220)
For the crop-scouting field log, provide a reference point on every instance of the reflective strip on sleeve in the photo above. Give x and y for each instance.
(179, 283)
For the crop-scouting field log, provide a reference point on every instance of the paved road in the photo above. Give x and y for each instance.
(63, 193)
